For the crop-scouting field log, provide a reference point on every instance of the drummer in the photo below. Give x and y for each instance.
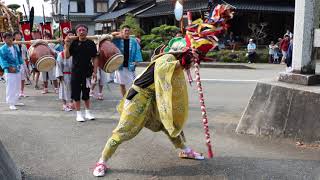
(50, 75)
(84, 54)
(131, 51)
(35, 73)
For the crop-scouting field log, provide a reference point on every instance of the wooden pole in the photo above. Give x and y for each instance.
(96, 37)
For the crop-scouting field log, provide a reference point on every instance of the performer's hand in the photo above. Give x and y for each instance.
(12, 70)
(116, 34)
(67, 41)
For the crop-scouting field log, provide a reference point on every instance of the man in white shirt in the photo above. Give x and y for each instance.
(251, 51)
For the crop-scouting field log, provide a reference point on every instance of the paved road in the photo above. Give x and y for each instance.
(47, 143)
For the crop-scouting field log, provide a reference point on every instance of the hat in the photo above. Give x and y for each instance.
(176, 45)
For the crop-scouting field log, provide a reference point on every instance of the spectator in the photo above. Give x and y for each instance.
(251, 51)
(289, 34)
(276, 55)
(289, 57)
(232, 41)
(271, 52)
(284, 45)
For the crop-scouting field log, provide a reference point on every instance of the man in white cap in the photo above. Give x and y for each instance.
(251, 51)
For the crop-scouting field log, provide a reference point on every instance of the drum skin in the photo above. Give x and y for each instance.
(110, 58)
(42, 57)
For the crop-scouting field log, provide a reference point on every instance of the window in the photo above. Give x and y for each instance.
(100, 6)
(78, 6)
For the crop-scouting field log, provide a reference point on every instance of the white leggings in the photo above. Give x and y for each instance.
(13, 85)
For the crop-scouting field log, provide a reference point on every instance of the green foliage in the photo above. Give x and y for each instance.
(133, 23)
(151, 41)
(159, 35)
(165, 30)
(238, 56)
(146, 55)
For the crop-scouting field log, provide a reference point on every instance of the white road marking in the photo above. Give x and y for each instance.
(230, 80)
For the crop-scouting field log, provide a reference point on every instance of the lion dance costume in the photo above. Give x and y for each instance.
(158, 98)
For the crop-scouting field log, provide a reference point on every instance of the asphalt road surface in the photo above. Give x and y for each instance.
(48, 144)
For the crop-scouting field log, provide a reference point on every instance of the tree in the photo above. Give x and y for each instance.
(159, 35)
(258, 31)
(131, 21)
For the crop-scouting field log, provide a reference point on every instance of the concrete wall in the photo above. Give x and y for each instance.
(283, 110)
(8, 170)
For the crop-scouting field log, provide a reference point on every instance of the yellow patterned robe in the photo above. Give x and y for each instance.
(162, 106)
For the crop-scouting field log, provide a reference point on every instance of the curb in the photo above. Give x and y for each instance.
(210, 65)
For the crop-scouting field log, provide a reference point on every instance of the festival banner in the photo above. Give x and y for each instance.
(65, 26)
(26, 32)
(46, 28)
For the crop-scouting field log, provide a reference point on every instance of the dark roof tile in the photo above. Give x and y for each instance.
(167, 7)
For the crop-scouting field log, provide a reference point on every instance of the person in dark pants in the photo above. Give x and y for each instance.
(84, 53)
(251, 51)
(289, 57)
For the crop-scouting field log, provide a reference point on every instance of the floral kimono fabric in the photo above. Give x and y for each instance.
(162, 106)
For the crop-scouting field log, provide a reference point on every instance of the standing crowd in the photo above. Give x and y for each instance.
(279, 53)
(76, 73)
(148, 101)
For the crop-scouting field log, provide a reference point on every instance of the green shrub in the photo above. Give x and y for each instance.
(146, 55)
(237, 56)
(159, 35)
(131, 21)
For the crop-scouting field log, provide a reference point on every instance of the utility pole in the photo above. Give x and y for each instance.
(28, 4)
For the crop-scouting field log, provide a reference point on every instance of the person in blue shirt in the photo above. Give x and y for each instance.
(251, 51)
(131, 51)
(10, 61)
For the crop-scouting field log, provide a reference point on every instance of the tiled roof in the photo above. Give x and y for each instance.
(78, 18)
(167, 7)
(262, 6)
(123, 9)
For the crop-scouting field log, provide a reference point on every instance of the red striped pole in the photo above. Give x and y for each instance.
(201, 98)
